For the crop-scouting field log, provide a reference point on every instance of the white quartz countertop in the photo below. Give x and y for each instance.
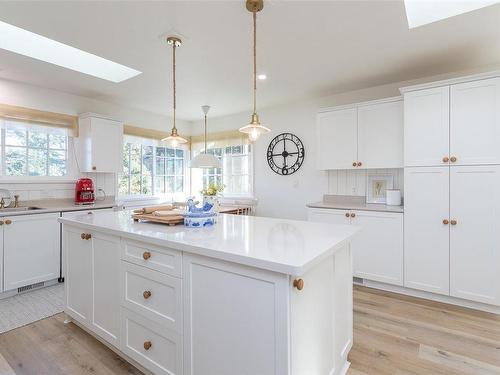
(285, 246)
(57, 205)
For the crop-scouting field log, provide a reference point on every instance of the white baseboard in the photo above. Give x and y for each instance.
(430, 296)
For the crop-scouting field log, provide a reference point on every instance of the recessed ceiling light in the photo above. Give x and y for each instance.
(419, 12)
(24, 42)
(262, 77)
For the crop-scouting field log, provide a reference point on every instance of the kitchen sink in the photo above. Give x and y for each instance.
(19, 209)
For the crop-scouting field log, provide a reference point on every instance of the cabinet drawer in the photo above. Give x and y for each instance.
(164, 260)
(151, 345)
(152, 294)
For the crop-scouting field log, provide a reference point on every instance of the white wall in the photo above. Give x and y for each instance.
(24, 95)
(286, 196)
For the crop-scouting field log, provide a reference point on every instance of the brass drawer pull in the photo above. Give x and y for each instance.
(446, 159)
(347, 214)
(446, 221)
(147, 345)
(354, 164)
(353, 214)
(453, 159)
(146, 294)
(82, 236)
(453, 222)
(1, 222)
(146, 255)
(88, 236)
(8, 222)
(359, 164)
(298, 283)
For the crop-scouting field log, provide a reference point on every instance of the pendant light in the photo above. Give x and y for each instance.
(254, 129)
(174, 139)
(203, 159)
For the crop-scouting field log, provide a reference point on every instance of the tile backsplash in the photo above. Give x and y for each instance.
(353, 181)
(34, 191)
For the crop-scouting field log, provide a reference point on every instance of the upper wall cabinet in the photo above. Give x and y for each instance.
(426, 127)
(101, 144)
(364, 135)
(453, 124)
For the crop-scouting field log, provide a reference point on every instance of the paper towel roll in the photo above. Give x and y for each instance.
(393, 197)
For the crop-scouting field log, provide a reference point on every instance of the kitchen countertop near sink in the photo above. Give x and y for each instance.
(347, 202)
(58, 205)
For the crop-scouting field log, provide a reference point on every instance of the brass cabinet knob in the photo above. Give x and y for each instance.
(353, 214)
(146, 294)
(453, 159)
(147, 345)
(359, 164)
(453, 222)
(347, 214)
(88, 236)
(446, 222)
(298, 283)
(94, 168)
(82, 236)
(446, 159)
(8, 222)
(146, 255)
(1, 222)
(354, 164)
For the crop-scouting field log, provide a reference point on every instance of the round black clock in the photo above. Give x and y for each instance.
(285, 154)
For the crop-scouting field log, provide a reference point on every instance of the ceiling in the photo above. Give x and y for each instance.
(306, 48)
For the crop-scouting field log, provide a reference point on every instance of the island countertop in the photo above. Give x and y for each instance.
(286, 246)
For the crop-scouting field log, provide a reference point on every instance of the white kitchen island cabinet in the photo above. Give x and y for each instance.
(250, 295)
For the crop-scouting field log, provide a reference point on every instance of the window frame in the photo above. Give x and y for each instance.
(70, 175)
(144, 142)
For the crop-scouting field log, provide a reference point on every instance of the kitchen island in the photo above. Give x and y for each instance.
(250, 295)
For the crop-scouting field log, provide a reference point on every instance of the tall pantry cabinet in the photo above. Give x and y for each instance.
(452, 185)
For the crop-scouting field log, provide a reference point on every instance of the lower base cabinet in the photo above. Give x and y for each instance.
(202, 315)
(378, 248)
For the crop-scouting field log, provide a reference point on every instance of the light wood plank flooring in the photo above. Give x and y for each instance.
(393, 334)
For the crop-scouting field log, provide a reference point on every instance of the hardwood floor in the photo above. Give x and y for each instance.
(396, 334)
(393, 335)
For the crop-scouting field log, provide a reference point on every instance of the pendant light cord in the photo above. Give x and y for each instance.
(254, 62)
(174, 45)
(205, 133)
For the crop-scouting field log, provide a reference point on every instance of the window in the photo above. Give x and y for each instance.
(30, 150)
(235, 174)
(151, 169)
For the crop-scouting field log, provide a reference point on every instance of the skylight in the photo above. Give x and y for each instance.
(422, 12)
(24, 42)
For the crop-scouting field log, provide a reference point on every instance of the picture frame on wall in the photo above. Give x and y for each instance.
(376, 187)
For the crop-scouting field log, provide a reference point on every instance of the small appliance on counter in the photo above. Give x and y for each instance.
(84, 191)
(393, 197)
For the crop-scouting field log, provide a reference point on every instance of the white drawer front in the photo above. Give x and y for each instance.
(152, 294)
(168, 261)
(164, 355)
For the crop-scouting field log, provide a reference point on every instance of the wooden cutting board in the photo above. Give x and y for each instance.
(169, 220)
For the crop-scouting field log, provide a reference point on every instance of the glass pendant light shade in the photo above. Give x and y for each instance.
(204, 160)
(174, 139)
(254, 129)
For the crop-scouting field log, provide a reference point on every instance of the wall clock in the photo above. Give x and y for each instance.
(285, 154)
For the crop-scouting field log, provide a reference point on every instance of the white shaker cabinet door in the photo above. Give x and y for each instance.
(426, 127)
(1, 253)
(31, 249)
(426, 237)
(475, 238)
(78, 280)
(106, 252)
(380, 135)
(236, 319)
(377, 250)
(107, 146)
(337, 139)
(475, 122)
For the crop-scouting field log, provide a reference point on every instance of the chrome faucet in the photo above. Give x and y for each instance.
(16, 201)
(2, 203)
